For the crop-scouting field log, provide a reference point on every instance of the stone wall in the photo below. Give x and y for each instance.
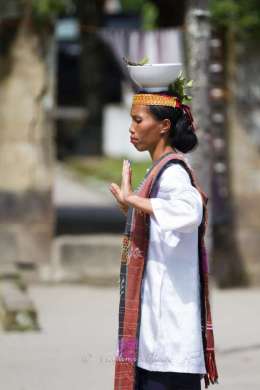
(26, 152)
(245, 167)
(245, 155)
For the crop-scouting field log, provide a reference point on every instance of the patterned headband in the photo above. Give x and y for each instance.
(149, 99)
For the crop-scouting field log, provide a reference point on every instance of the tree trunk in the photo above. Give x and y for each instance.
(26, 148)
(91, 75)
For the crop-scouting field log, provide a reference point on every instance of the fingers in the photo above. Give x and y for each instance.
(114, 188)
(126, 171)
(123, 170)
(130, 173)
(116, 191)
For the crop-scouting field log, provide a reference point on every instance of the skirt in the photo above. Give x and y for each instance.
(158, 380)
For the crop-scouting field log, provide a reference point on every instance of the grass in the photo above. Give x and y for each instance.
(107, 169)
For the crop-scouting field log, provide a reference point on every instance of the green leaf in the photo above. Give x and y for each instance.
(143, 61)
(179, 86)
(189, 84)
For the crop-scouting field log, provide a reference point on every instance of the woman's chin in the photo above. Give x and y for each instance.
(140, 148)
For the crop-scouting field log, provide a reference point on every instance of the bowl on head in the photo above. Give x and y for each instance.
(154, 77)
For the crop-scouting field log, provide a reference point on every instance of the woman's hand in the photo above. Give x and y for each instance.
(122, 193)
(125, 196)
(126, 185)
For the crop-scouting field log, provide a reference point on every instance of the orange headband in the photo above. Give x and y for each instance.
(149, 99)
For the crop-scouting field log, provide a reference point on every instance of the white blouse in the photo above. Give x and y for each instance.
(170, 329)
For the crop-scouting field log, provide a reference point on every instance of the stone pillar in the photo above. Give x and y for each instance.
(26, 150)
(228, 264)
(197, 35)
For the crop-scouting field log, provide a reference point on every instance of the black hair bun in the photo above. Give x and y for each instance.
(182, 136)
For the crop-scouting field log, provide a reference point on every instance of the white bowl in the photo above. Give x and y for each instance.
(154, 77)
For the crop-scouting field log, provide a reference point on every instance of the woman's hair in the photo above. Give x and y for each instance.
(181, 135)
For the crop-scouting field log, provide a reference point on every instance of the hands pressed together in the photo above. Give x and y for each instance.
(125, 196)
(122, 193)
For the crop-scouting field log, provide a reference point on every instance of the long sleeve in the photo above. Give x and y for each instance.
(178, 207)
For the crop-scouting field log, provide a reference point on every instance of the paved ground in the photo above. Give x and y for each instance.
(76, 345)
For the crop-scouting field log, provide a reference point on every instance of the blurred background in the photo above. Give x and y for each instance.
(65, 97)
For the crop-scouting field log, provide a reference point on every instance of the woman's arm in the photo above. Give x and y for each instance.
(140, 203)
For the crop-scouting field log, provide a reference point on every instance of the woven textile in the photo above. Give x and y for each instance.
(149, 99)
(134, 254)
(156, 100)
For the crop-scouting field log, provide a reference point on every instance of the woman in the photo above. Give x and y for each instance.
(165, 332)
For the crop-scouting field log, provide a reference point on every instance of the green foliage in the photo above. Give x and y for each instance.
(149, 15)
(147, 9)
(107, 169)
(47, 9)
(179, 87)
(131, 5)
(242, 16)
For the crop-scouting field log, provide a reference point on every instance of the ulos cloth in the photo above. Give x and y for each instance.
(170, 336)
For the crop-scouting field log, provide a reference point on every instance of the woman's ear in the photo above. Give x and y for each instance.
(166, 125)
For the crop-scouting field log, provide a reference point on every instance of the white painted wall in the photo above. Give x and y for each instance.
(116, 136)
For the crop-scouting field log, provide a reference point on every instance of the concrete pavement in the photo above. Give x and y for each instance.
(236, 316)
(76, 344)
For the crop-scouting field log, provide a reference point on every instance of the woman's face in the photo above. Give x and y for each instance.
(145, 130)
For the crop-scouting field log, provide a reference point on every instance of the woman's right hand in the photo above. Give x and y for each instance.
(118, 192)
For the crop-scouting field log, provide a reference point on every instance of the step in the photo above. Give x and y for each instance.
(9, 271)
(92, 259)
(17, 311)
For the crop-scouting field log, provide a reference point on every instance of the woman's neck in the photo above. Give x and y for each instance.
(159, 151)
